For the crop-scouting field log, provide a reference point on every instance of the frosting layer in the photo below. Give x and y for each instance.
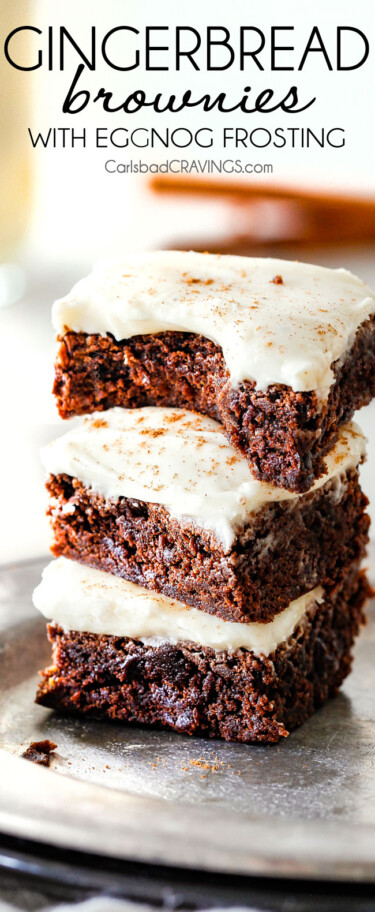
(288, 332)
(179, 459)
(81, 598)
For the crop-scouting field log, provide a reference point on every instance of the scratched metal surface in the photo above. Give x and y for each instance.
(304, 808)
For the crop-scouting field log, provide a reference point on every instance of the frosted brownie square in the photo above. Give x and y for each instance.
(159, 497)
(120, 652)
(281, 353)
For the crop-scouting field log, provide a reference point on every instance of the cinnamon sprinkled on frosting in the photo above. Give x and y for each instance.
(179, 459)
(271, 331)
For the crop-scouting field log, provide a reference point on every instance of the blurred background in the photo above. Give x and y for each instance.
(61, 210)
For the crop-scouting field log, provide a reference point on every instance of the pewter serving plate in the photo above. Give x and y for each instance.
(303, 808)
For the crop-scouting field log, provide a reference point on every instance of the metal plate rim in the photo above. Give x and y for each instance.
(70, 812)
(39, 804)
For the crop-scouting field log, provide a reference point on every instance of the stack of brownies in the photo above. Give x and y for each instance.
(207, 517)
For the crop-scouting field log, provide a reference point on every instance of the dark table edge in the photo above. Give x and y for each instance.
(83, 875)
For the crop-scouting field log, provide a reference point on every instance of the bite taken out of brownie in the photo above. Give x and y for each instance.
(282, 365)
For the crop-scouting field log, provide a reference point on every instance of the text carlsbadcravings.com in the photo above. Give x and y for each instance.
(247, 49)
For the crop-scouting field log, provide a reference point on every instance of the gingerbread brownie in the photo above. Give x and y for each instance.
(158, 496)
(281, 353)
(162, 663)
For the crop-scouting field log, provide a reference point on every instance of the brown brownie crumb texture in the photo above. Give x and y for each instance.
(40, 752)
(236, 696)
(286, 549)
(284, 434)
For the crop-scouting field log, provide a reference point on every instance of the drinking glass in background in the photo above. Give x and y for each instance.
(15, 164)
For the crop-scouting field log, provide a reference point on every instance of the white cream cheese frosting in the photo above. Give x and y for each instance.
(181, 460)
(81, 598)
(289, 333)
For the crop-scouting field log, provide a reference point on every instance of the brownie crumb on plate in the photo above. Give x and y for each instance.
(40, 752)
